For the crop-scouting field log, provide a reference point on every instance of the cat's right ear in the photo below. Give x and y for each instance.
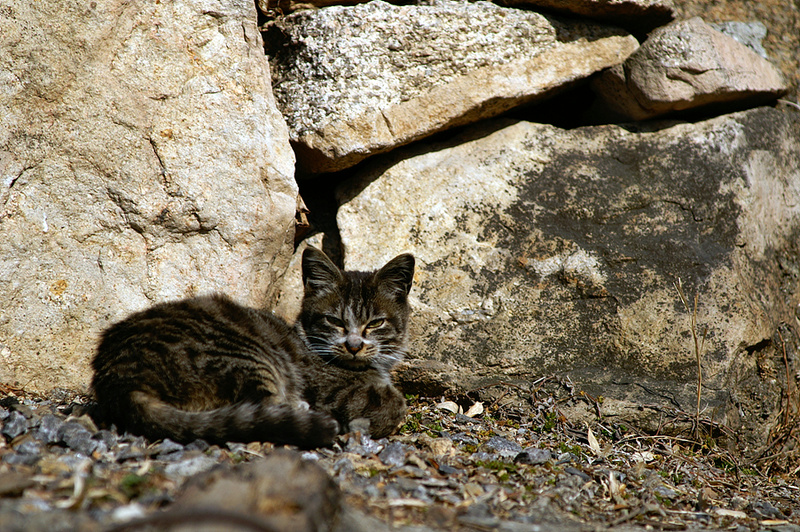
(319, 272)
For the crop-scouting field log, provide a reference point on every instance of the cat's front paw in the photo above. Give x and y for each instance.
(390, 414)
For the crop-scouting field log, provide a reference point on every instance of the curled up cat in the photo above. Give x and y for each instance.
(209, 368)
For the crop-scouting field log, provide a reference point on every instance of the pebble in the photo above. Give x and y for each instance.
(77, 437)
(393, 455)
(464, 438)
(503, 447)
(48, 428)
(533, 456)
(190, 466)
(578, 473)
(14, 425)
(168, 446)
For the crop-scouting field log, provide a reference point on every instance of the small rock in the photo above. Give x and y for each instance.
(77, 437)
(447, 470)
(48, 428)
(198, 445)
(23, 409)
(483, 456)
(166, 447)
(464, 438)
(765, 510)
(190, 466)
(30, 447)
(14, 425)
(440, 446)
(130, 452)
(393, 455)
(665, 492)
(503, 447)
(106, 438)
(578, 473)
(361, 444)
(127, 512)
(21, 459)
(533, 456)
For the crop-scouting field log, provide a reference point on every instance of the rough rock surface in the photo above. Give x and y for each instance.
(686, 65)
(782, 20)
(545, 251)
(639, 16)
(141, 158)
(356, 81)
(282, 491)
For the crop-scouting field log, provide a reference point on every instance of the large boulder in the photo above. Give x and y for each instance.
(141, 158)
(354, 81)
(688, 65)
(543, 251)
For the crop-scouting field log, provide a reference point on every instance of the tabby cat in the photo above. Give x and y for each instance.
(210, 368)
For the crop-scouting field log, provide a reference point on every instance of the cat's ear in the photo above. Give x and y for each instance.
(397, 275)
(319, 272)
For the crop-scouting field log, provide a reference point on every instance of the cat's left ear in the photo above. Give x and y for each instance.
(319, 272)
(397, 274)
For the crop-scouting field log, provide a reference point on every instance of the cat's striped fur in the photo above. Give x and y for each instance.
(210, 368)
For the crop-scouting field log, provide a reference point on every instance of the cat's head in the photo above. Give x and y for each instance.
(356, 319)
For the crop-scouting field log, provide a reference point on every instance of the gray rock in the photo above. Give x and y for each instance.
(77, 437)
(106, 438)
(688, 65)
(462, 437)
(502, 447)
(189, 466)
(48, 428)
(141, 158)
(31, 447)
(393, 455)
(353, 81)
(533, 456)
(565, 247)
(14, 425)
(167, 446)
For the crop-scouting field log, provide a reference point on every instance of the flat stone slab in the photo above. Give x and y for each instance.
(356, 81)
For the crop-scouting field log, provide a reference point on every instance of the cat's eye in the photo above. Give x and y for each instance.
(374, 324)
(333, 320)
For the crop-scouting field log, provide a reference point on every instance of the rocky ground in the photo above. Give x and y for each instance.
(512, 462)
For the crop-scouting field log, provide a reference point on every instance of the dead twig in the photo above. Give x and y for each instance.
(699, 343)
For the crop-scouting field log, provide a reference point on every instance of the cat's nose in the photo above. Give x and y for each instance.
(354, 343)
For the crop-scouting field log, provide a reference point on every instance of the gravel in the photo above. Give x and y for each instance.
(505, 470)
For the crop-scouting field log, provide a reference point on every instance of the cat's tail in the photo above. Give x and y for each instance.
(242, 422)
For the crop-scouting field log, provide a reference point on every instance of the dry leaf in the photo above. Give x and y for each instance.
(450, 406)
(593, 444)
(475, 410)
